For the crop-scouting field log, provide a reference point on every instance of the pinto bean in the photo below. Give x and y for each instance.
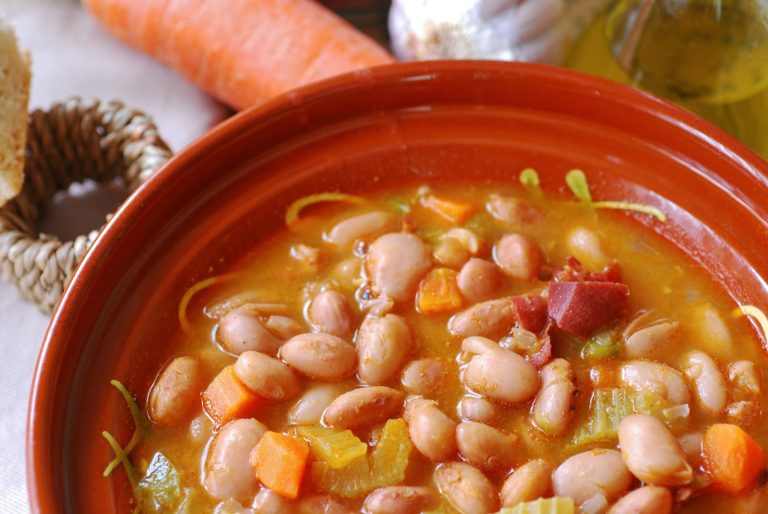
(512, 211)
(451, 253)
(710, 332)
(645, 500)
(656, 378)
(554, 406)
(350, 229)
(242, 329)
(708, 382)
(652, 453)
(400, 500)
(646, 341)
(228, 472)
(492, 318)
(323, 504)
(529, 482)
(468, 239)
(479, 280)
(308, 410)
(518, 256)
(395, 263)
(383, 344)
(486, 447)
(477, 409)
(745, 380)
(320, 356)
(331, 313)
(283, 326)
(362, 407)
(424, 376)
(346, 273)
(499, 375)
(267, 376)
(593, 472)
(745, 413)
(585, 245)
(267, 501)
(175, 393)
(430, 430)
(466, 488)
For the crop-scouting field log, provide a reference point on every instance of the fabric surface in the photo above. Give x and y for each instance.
(72, 55)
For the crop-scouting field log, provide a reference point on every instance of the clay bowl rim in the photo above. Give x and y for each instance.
(53, 354)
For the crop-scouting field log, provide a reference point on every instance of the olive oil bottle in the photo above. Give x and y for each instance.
(710, 56)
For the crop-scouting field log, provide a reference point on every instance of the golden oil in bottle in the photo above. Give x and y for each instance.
(710, 56)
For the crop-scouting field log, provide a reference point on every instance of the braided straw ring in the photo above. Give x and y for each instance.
(72, 141)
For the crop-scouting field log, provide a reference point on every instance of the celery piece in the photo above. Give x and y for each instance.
(606, 410)
(556, 505)
(646, 402)
(336, 447)
(160, 489)
(386, 466)
(577, 183)
(529, 178)
(391, 455)
(601, 346)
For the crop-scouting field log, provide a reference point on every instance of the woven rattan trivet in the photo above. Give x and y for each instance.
(70, 142)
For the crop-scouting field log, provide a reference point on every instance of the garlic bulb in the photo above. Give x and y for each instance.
(508, 30)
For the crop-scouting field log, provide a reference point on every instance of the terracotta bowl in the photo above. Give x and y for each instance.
(431, 121)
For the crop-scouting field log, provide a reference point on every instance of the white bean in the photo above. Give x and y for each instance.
(243, 329)
(479, 280)
(585, 245)
(431, 431)
(228, 472)
(656, 378)
(645, 500)
(468, 239)
(486, 447)
(383, 344)
(320, 356)
(395, 263)
(323, 504)
(451, 253)
(710, 332)
(466, 488)
(472, 408)
(492, 318)
(652, 453)
(519, 256)
(424, 376)
(708, 382)
(267, 501)
(554, 406)
(645, 342)
(362, 407)
(593, 472)
(283, 326)
(500, 375)
(175, 393)
(400, 500)
(746, 413)
(308, 410)
(692, 447)
(350, 229)
(267, 376)
(331, 313)
(514, 212)
(745, 380)
(529, 482)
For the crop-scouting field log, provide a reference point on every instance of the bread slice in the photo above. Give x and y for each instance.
(14, 99)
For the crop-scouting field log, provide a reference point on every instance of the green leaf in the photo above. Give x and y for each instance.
(577, 183)
(529, 178)
(160, 489)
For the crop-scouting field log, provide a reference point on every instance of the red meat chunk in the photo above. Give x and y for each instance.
(572, 271)
(581, 308)
(531, 312)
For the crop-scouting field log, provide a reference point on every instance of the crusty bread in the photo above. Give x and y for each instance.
(14, 97)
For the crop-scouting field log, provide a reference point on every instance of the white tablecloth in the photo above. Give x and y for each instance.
(72, 55)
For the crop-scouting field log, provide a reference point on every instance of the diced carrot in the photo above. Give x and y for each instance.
(453, 211)
(227, 398)
(279, 462)
(438, 292)
(732, 458)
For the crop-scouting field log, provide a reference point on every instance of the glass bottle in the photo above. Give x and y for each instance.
(710, 56)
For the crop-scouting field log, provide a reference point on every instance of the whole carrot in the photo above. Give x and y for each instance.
(241, 51)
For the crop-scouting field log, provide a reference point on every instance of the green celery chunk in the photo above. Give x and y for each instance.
(336, 447)
(160, 490)
(604, 345)
(606, 410)
(555, 505)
